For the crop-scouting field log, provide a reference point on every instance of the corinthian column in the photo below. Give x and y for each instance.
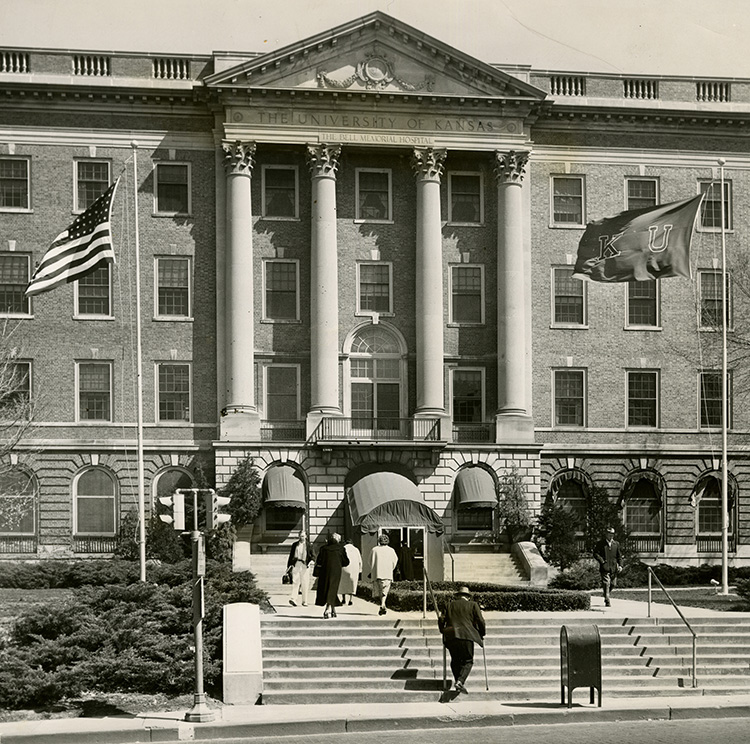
(428, 167)
(240, 416)
(513, 342)
(324, 288)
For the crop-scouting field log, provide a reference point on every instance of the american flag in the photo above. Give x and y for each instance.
(79, 249)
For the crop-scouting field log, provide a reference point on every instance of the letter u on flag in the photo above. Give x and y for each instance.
(78, 250)
(638, 245)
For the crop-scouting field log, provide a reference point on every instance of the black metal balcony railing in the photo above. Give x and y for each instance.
(17, 544)
(101, 544)
(473, 433)
(282, 431)
(379, 429)
(646, 543)
(712, 543)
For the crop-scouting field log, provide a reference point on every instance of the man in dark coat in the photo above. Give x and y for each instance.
(331, 559)
(608, 556)
(462, 625)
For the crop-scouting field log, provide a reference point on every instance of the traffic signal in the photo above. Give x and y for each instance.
(214, 505)
(176, 503)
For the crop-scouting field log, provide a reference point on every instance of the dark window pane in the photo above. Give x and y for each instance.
(569, 402)
(94, 392)
(568, 298)
(280, 192)
(14, 278)
(374, 288)
(14, 184)
(641, 194)
(281, 290)
(465, 198)
(172, 188)
(93, 181)
(373, 195)
(281, 395)
(642, 399)
(93, 292)
(174, 392)
(567, 200)
(467, 397)
(642, 303)
(174, 287)
(467, 294)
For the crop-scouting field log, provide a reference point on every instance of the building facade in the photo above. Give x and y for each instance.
(353, 263)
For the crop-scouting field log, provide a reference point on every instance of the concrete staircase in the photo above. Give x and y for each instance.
(495, 568)
(347, 659)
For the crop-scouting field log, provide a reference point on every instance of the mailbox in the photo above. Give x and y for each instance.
(580, 661)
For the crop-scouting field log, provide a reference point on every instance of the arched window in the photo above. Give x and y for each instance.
(17, 504)
(643, 515)
(95, 503)
(475, 495)
(168, 481)
(376, 372)
(707, 497)
(571, 496)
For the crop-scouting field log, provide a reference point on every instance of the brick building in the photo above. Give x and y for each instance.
(355, 261)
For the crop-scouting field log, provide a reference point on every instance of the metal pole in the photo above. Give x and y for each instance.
(724, 402)
(649, 593)
(486, 681)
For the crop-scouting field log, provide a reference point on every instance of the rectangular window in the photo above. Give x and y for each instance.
(373, 194)
(14, 183)
(280, 191)
(172, 188)
(173, 284)
(14, 278)
(374, 288)
(711, 208)
(643, 304)
(643, 399)
(568, 201)
(570, 397)
(174, 392)
(93, 293)
(92, 180)
(711, 301)
(467, 393)
(15, 388)
(17, 502)
(282, 393)
(281, 296)
(709, 516)
(641, 193)
(710, 414)
(467, 294)
(465, 201)
(569, 300)
(94, 391)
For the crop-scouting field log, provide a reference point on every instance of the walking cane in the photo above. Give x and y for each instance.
(486, 681)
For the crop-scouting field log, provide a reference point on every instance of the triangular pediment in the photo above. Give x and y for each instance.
(378, 54)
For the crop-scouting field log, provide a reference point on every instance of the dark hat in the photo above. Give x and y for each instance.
(464, 590)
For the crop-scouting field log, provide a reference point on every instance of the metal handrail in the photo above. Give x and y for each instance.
(428, 585)
(679, 612)
(453, 560)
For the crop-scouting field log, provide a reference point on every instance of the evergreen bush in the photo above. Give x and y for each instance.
(556, 535)
(512, 506)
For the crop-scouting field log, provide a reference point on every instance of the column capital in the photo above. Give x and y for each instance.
(428, 162)
(510, 166)
(323, 160)
(239, 157)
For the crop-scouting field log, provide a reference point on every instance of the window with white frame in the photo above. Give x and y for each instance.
(94, 391)
(643, 304)
(568, 201)
(643, 398)
(92, 180)
(282, 392)
(17, 504)
(374, 293)
(174, 400)
(709, 509)
(711, 300)
(281, 289)
(467, 294)
(14, 184)
(467, 396)
(641, 193)
(172, 188)
(373, 198)
(465, 198)
(280, 191)
(643, 511)
(570, 397)
(712, 205)
(14, 278)
(93, 293)
(710, 413)
(569, 298)
(95, 503)
(173, 286)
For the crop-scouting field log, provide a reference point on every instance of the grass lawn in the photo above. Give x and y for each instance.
(705, 598)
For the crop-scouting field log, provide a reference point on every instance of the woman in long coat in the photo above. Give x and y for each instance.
(350, 573)
(331, 559)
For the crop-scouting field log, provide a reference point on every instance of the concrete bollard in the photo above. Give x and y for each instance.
(243, 658)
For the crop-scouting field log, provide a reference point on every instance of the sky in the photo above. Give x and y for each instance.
(659, 37)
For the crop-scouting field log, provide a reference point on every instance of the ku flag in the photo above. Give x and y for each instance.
(79, 249)
(642, 244)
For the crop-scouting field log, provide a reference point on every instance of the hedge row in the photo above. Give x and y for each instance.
(407, 596)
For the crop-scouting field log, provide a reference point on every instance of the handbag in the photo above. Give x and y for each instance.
(287, 577)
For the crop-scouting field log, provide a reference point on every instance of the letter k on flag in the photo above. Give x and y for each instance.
(638, 245)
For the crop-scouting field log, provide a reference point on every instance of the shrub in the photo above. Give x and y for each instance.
(243, 488)
(556, 530)
(582, 575)
(512, 508)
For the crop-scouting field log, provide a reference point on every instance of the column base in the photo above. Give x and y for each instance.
(239, 425)
(514, 428)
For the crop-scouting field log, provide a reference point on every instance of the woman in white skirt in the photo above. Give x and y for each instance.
(350, 574)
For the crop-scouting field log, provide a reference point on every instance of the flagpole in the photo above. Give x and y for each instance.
(724, 401)
(139, 376)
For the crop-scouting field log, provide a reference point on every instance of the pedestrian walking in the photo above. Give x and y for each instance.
(462, 625)
(383, 561)
(608, 556)
(331, 559)
(350, 574)
(301, 561)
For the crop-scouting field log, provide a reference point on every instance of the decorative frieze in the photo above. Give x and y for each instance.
(375, 72)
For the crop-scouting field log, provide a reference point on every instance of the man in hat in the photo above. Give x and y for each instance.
(608, 556)
(462, 625)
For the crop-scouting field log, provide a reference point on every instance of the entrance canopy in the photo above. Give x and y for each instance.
(284, 487)
(475, 488)
(387, 499)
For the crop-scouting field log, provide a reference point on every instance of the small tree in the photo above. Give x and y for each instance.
(602, 512)
(556, 528)
(512, 506)
(243, 489)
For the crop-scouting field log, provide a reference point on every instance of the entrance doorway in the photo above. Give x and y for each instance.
(408, 542)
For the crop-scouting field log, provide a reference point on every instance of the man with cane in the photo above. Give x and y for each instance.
(462, 625)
